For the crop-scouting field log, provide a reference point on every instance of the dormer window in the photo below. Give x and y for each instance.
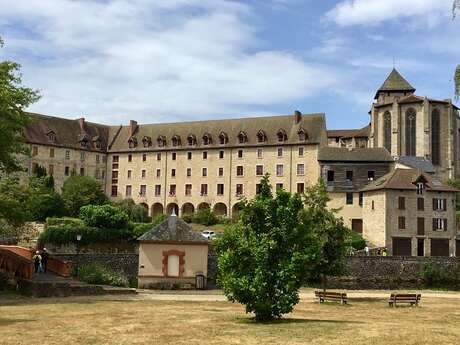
(242, 137)
(84, 143)
(132, 142)
(302, 135)
(282, 136)
(223, 138)
(97, 143)
(161, 141)
(207, 140)
(176, 140)
(191, 140)
(420, 187)
(51, 137)
(261, 136)
(146, 141)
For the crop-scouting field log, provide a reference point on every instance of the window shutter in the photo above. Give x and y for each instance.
(444, 205)
(445, 224)
(434, 204)
(434, 223)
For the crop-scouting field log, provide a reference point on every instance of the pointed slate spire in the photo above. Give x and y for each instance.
(395, 82)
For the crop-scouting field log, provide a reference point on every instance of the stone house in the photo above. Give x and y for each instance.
(171, 253)
(411, 214)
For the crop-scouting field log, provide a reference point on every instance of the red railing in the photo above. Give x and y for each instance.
(15, 265)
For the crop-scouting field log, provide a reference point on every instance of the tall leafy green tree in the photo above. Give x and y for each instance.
(13, 198)
(80, 191)
(279, 243)
(44, 201)
(14, 98)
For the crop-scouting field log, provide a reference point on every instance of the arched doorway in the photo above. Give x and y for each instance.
(220, 209)
(236, 212)
(188, 209)
(203, 206)
(172, 206)
(157, 209)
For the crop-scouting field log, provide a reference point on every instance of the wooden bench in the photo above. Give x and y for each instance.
(331, 296)
(411, 298)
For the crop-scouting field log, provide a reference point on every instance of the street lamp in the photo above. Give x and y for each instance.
(78, 252)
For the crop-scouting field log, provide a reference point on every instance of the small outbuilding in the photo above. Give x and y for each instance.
(172, 254)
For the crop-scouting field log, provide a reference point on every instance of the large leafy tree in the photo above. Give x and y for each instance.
(13, 197)
(44, 201)
(14, 98)
(279, 243)
(80, 191)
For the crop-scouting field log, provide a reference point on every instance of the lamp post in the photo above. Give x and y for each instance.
(78, 252)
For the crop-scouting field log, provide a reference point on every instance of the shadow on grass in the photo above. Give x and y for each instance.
(281, 321)
(9, 322)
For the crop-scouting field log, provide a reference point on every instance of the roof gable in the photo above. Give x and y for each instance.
(173, 229)
(395, 82)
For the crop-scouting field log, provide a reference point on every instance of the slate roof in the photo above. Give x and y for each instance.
(312, 124)
(418, 163)
(349, 133)
(342, 154)
(406, 179)
(395, 82)
(173, 229)
(67, 132)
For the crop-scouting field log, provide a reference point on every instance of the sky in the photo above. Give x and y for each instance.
(174, 60)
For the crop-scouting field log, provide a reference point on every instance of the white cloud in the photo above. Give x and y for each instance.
(160, 60)
(371, 12)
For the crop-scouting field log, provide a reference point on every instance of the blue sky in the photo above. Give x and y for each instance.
(172, 60)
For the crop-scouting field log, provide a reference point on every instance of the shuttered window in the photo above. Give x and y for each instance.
(402, 203)
(420, 226)
(402, 223)
(420, 204)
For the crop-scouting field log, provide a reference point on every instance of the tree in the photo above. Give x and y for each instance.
(137, 213)
(14, 98)
(79, 191)
(104, 216)
(44, 202)
(13, 197)
(279, 243)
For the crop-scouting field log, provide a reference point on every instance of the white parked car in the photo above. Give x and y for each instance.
(208, 234)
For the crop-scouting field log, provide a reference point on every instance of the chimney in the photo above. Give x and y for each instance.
(172, 220)
(81, 122)
(297, 116)
(132, 127)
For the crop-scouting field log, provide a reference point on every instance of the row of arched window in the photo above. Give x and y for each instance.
(411, 133)
(207, 139)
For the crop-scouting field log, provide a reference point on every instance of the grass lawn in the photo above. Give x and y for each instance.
(140, 320)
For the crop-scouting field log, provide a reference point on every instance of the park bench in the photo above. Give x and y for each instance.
(411, 298)
(331, 296)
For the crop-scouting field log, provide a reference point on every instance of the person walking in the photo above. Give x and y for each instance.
(45, 256)
(37, 258)
(366, 250)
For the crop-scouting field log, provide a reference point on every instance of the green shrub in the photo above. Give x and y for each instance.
(141, 228)
(205, 217)
(64, 221)
(79, 191)
(95, 273)
(104, 216)
(158, 219)
(435, 275)
(136, 213)
(357, 241)
(188, 218)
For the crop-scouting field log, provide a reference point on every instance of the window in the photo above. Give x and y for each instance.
(420, 226)
(439, 224)
(439, 204)
(370, 175)
(239, 189)
(173, 156)
(67, 154)
(258, 187)
(349, 175)
(172, 190)
(411, 119)
(300, 187)
(401, 223)
(161, 140)
(221, 154)
(204, 189)
(143, 173)
(173, 172)
(102, 173)
(387, 131)
(98, 159)
(191, 140)
(129, 174)
(114, 174)
(204, 172)
(188, 189)
(114, 191)
(115, 166)
(51, 153)
(435, 137)
(302, 135)
(173, 266)
(242, 138)
(157, 190)
(372, 205)
(420, 204)
(144, 157)
(82, 155)
(205, 154)
(51, 169)
(158, 172)
(223, 138)
(207, 140)
(147, 141)
(330, 176)
(279, 186)
(82, 171)
(128, 191)
(240, 153)
(189, 155)
(220, 189)
(260, 153)
(279, 169)
(280, 152)
(34, 151)
(282, 136)
(66, 171)
(349, 198)
(115, 159)
(158, 156)
(261, 136)
(176, 140)
(401, 203)
(300, 169)
(189, 172)
(221, 171)
(97, 174)
(360, 198)
(143, 190)
(301, 151)
(420, 188)
(259, 170)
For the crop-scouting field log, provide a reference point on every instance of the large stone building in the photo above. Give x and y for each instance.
(192, 165)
